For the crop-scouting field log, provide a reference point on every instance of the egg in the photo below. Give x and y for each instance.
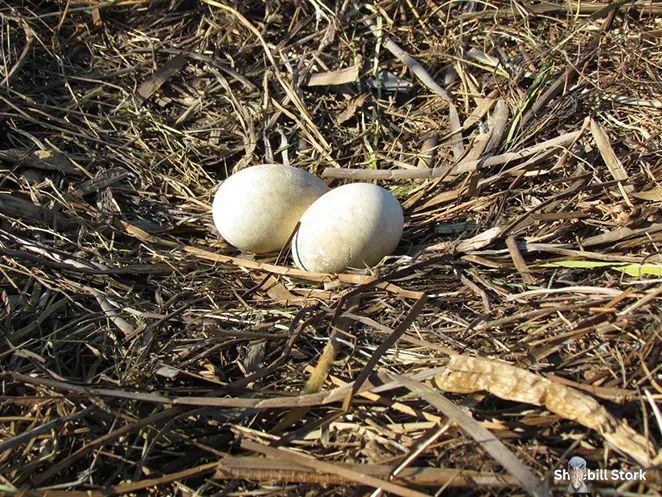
(355, 225)
(258, 208)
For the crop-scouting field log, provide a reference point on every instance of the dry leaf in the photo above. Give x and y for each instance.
(479, 241)
(164, 73)
(13, 205)
(470, 374)
(277, 291)
(428, 151)
(652, 195)
(349, 111)
(615, 167)
(45, 160)
(498, 125)
(341, 77)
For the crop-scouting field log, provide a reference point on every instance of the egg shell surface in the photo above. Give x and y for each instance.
(257, 208)
(355, 225)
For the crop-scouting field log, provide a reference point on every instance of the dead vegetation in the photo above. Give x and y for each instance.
(518, 323)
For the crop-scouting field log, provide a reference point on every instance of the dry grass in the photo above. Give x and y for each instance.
(138, 349)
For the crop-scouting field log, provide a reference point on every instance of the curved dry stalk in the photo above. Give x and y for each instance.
(472, 374)
(450, 172)
(260, 469)
(334, 469)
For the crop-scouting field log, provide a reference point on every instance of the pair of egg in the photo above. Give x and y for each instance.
(352, 226)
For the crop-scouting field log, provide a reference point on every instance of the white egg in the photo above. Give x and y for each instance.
(355, 225)
(258, 208)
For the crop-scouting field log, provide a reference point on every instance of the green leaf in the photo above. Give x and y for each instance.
(636, 270)
(642, 269)
(585, 264)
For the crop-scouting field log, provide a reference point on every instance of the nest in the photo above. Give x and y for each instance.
(516, 326)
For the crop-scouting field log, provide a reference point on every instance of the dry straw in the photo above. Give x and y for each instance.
(517, 324)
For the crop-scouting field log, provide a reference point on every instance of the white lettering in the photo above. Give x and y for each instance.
(604, 475)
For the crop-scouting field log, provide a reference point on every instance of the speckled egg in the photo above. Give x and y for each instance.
(355, 226)
(257, 208)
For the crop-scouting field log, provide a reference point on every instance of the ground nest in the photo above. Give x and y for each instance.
(517, 324)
